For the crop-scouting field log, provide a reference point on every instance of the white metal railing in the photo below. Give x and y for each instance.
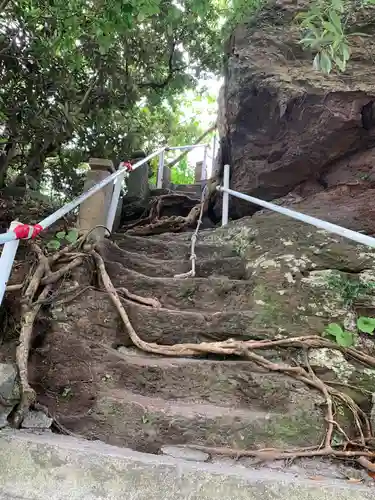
(18, 231)
(313, 221)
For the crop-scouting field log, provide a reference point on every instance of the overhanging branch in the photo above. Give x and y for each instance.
(171, 72)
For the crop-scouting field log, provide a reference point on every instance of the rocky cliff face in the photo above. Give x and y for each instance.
(290, 129)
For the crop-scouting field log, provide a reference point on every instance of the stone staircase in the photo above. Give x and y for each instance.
(193, 190)
(99, 386)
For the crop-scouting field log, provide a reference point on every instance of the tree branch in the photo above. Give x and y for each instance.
(171, 72)
(87, 93)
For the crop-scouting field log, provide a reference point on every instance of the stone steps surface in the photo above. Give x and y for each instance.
(156, 248)
(230, 267)
(196, 294)
(147, 423)
(37, 467)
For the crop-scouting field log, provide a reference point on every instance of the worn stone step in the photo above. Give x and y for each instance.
(147, 423)
(205, 294)
(230, 267)
(167, 326)
(190, 189)
(234, 383)
(98, 318)
(64, 468)
(153, 247)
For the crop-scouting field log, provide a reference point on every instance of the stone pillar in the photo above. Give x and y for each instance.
(166, 177)
(117, 221)
(198, 172)
(93, 212)
(137, 183)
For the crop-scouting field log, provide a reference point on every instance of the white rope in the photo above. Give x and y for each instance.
(193, 257)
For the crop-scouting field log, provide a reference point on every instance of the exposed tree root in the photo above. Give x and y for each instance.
(173, 224)
(29, 312)
(42, 281)
(54, 277)
(146, 301)
(283, 454)
(31, 305)
(305, 375)
(153, 212)
(194, 237)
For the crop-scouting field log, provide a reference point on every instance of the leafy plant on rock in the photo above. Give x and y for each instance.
(345, 338)
(325, 31)
(70, 236)
(349, 289)
(366, 325)
(337, 334)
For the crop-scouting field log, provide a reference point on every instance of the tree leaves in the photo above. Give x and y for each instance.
(74, 84)
(324, 30)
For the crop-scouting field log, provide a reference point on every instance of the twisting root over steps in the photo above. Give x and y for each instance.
(155, 223)
(42, 281)
(360, 449)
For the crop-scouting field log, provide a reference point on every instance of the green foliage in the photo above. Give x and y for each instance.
(63, 237)
(182, 173)
(325, 31)
(100, 79)
(236, 11)
(366, 325)
(349, 289)
(346, 339)
(342, 337)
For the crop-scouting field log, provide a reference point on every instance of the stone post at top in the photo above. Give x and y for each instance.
(93, 212)
(198, 172)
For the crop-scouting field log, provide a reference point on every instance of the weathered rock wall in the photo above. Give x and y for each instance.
(289, 127)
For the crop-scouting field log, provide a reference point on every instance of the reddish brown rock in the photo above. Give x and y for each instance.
(287, 126)
(350, 205)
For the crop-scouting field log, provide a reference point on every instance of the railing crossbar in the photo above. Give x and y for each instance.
(313, 221)
(184, 148)
(68, 207)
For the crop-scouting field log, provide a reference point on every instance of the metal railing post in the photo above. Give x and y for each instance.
(6, 261)
(204, 165)
(224, 220)
(114, 201)
(159, 184)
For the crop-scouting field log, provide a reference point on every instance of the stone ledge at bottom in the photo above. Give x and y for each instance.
(40, 466)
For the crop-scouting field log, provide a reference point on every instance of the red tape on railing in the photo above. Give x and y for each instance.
(127, 165)
(22, 231)
(36, 230)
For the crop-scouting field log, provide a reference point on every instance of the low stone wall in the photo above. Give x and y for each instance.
(60, 468)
